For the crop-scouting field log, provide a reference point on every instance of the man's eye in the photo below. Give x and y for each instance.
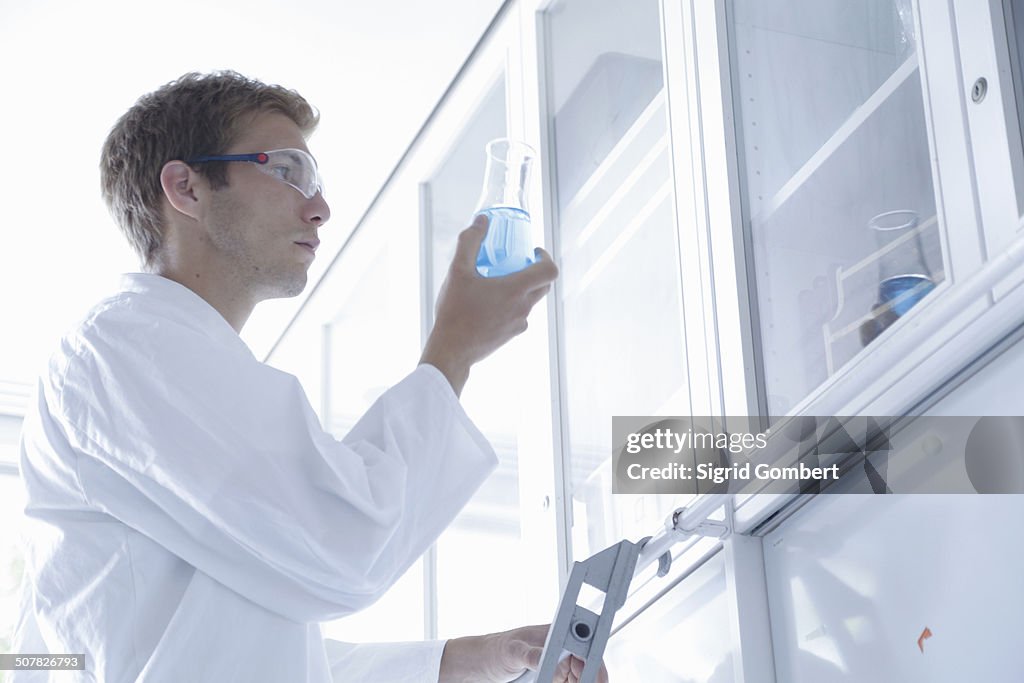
(282, 172)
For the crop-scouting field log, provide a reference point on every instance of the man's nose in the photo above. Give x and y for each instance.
(317, 210)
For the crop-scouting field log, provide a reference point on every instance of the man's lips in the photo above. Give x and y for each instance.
(310, 244)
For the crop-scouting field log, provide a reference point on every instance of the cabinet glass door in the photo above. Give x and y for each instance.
(836, 180)
(488, 531)
(621, 337)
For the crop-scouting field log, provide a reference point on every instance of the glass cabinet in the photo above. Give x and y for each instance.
(614, 237)
(489, 525)
(758, 207)
(371, 313)
(838, 204)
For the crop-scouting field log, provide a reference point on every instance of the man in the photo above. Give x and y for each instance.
(188, 518)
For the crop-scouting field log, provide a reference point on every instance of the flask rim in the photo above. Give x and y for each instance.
(880, 222)
(524, 152)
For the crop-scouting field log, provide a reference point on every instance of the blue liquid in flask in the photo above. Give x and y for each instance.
(902, 292)
(507, 247)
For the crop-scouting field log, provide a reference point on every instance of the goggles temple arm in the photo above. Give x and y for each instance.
(259, 158)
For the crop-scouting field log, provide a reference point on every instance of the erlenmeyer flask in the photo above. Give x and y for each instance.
(508, 246)
(903, 274)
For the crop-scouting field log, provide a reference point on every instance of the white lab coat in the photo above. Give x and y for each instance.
(189, 520)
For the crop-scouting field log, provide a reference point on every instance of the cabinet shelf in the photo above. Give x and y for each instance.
(845, 325)
(617, 199)
(618, 173)
(842, 135)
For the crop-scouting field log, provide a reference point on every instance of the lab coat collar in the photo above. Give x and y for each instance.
(197, 311)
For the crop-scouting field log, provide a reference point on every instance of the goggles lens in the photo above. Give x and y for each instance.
(291, 166)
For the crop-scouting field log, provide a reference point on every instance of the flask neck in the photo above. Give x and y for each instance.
(506, 175)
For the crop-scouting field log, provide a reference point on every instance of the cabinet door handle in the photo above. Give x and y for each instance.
(979, 90)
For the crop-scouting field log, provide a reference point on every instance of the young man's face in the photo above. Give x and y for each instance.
(262, 229)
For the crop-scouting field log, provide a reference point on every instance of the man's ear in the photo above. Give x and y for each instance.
(179, 184)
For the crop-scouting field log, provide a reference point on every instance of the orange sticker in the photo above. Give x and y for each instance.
(926, 633)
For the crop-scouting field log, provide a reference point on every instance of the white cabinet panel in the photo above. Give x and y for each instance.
(854, 581)
(986, 60)
(684, 636)
(989, 392)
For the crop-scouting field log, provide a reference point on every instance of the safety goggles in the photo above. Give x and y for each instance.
(291, 166)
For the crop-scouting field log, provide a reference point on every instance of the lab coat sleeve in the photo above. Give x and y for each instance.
(418, 662)
(221, 459)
